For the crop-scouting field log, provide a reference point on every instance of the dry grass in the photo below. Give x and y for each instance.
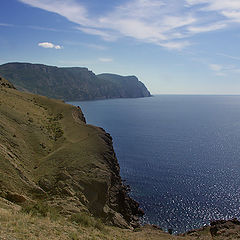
(17, 225)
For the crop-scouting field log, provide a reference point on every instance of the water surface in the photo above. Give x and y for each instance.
(179, 154)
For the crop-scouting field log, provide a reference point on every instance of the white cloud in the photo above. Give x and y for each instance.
(160, 22)
(105, 35)
(67, 8)
(105, 60)
(227, 8)
(209, 28)
(218, 70)
(232, 15)
(175, 45)
(224, 70)
(49, 45)
(216, 67)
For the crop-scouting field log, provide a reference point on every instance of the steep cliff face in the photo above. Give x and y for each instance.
(71, 84)
(47, 151)
(127, 85)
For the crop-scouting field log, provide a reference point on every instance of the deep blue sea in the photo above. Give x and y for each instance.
(180, 155)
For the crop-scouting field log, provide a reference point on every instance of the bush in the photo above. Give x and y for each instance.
(41, 209)
(87, 221)
(73, 236)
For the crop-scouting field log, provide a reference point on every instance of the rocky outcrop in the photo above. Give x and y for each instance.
(71, 84)
(6, 84)
(225, 229)
(218, 230)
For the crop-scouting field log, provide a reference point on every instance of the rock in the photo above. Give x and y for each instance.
(63, 176)
(223, 227)
(16, 198)
(5, 83)
(9, 205)
(45, 184)
(118, 220)
(68, 191)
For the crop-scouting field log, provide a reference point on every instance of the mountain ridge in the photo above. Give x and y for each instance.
(71, 83)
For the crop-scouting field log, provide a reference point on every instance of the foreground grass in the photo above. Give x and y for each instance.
(19, 225)
(15, 224)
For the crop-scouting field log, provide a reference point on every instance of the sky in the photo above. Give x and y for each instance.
(172, 46)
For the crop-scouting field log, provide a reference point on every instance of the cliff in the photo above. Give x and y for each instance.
(47, 151)
(71, 84)
(126, 85)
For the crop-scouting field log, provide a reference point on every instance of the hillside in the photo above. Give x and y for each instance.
(47, 151)
(71, 84)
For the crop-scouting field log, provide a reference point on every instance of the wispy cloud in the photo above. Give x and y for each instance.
(169, 24)
(175, 45)
(68, 8)
(105, 60)
(49, 45)
(230, 9)
(34, 27)
(104, 34)
(224, 70)
(216, 67)
(84, 44)
(45, 28)
(218, 70)
(207, 28)
(229, 56)
(6, 25)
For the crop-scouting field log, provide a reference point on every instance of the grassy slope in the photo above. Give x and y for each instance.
(29, 135)
(47, 151)
(18, 225)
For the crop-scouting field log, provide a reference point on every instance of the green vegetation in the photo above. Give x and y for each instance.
(54, 126)
(71, 84)
(87, 221)
(41, 209)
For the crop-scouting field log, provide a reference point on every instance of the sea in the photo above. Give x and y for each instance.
(180, 154)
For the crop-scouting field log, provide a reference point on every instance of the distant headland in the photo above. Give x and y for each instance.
(71, 83)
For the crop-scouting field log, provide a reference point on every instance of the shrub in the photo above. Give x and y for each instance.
(41, 209)
(73, 236)
(87, 221)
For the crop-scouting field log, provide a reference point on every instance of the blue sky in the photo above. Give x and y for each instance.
(173, 46)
